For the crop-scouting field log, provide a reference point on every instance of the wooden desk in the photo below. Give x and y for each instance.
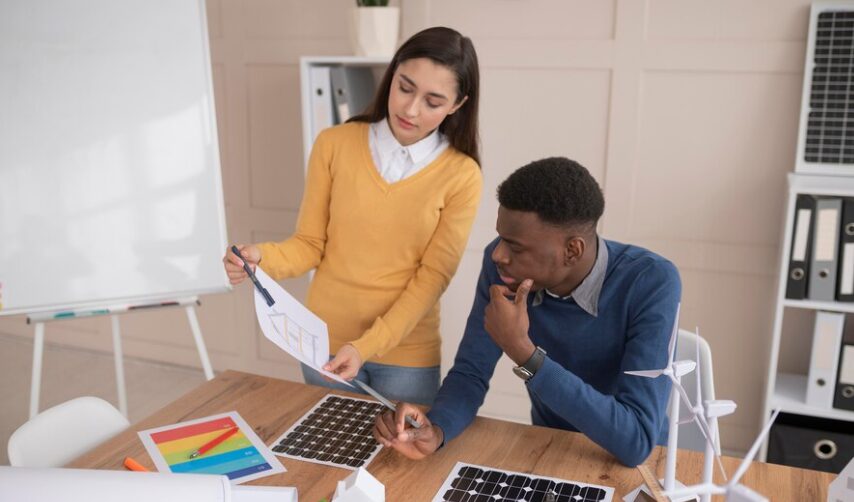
(271, 406)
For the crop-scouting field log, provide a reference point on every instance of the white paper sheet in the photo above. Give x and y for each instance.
(239, 462)
(292, 327)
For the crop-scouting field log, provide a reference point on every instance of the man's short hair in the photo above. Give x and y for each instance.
(559, 190)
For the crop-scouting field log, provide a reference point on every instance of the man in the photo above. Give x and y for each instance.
(572, 310)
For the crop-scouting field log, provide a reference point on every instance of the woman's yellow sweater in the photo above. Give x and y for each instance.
(384, 253)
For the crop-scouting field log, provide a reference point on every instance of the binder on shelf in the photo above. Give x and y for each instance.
(844, 397)
(824, 264)
(322, 113)
(824, 358)
(845, 277)
(799, 258)
(352, 89)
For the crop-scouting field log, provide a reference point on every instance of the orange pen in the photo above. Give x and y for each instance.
(215, 441)
(134, 465)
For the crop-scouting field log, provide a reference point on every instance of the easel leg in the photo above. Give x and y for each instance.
(36, 380)
(200, 342)
(120, 367)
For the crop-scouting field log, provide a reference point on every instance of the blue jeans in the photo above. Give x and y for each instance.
(397, 383)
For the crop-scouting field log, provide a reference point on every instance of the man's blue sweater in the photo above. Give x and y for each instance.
(581, 385)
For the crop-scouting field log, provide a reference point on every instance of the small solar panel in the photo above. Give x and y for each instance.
(474, 483)
(830, 124)
(336, 432)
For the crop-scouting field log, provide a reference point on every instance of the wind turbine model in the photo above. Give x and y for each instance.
(675, 370)
(711, 409)
(734, 491)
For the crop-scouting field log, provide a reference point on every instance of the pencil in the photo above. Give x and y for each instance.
(215, 441)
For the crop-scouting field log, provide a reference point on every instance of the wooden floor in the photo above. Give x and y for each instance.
(69, 373)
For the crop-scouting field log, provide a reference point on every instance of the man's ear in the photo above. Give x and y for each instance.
(574, 249)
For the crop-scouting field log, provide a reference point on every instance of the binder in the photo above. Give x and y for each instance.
(823, 267)
(844, 397)
(352, 89)
(845, 277)
(824, 358)
(322, 114)
(799, 258)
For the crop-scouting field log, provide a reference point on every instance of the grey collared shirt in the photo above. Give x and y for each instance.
(586, 295)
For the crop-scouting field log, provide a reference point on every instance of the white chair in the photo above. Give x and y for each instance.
(690, 436)
(57, 435)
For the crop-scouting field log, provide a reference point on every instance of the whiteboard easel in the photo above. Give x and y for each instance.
(41, 318)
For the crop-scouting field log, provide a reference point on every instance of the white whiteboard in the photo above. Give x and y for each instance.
(110, 187)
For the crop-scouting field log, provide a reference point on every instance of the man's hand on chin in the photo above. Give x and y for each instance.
(506, 320)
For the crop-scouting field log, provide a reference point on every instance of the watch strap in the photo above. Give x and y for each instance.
(530, 367)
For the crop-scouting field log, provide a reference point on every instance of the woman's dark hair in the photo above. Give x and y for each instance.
(448, 48)
(559, 190)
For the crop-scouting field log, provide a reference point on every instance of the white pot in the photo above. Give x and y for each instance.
(374, 31)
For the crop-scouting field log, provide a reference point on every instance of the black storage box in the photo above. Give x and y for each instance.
(811, 443)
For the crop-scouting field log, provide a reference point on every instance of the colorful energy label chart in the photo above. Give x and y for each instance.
(210, 445)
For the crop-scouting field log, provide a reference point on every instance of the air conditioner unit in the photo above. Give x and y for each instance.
(826, 131)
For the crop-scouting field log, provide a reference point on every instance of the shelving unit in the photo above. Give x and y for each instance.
(309, 131)
(784, 390)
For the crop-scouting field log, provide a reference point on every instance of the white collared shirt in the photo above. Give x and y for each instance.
(395, 161)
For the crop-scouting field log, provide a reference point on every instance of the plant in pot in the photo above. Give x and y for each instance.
(375, 28)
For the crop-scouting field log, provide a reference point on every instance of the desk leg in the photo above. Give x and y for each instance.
(120, 367)
(36, 380)
(200, 342)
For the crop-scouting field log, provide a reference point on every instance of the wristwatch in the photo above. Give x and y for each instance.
(530, 367)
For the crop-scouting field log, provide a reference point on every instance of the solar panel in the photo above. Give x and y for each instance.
(336, 432)
(830, 131)
(474, 483)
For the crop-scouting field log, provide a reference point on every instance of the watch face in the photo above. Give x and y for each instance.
(522, 373)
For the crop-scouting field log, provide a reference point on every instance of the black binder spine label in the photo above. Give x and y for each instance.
(799, 259)
(845, 277)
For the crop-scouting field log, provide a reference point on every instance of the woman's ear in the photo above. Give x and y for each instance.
(458, 105)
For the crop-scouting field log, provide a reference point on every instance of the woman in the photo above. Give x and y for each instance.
(389, 201)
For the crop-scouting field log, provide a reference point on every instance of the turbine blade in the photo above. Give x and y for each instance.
(721, 467)
(710, 440)
(704, 428)
(698, 418)
(745, 464)
(682, 393)
(716, 432)
(709, 430)
(646, 373)
(671, 349)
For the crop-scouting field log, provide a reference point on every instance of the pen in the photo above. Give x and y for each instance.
(215, 441)
(71, 313)
(388, 404)
(153, 305)
(134, 465)
(264, 292)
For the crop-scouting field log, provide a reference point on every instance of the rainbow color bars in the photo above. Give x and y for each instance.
(241, 457)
